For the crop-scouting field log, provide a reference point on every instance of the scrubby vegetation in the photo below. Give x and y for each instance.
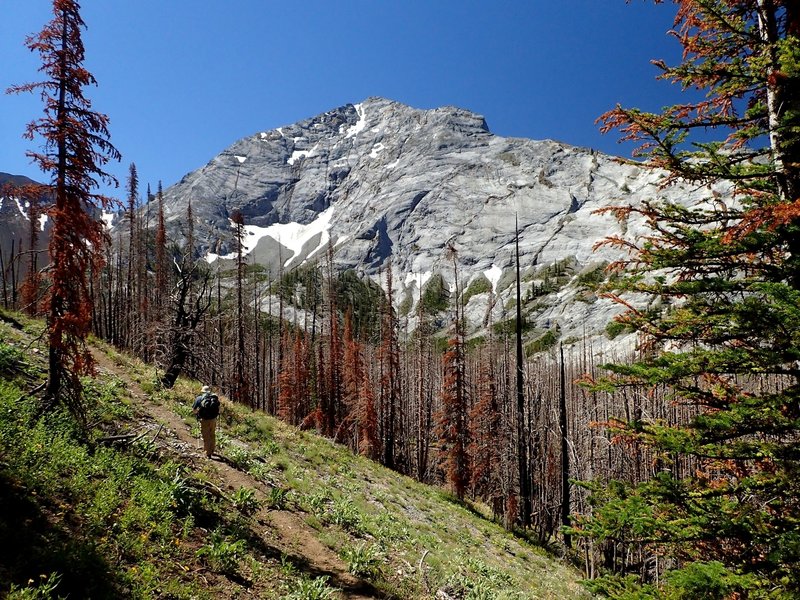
(105, 515)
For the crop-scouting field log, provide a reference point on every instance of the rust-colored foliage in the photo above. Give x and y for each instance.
(485, 429)
(352, 376)
(719, 346)
(389, 358)
(452, 430)
(294, 381)
(76, 148)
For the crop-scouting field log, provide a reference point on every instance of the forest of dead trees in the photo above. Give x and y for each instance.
(439, 407)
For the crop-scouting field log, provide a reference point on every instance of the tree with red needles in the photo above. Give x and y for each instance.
(725, 342)
(76, 149)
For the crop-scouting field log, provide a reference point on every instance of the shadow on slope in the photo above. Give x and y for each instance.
(36, 545)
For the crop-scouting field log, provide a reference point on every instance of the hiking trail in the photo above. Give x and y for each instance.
(282, 530)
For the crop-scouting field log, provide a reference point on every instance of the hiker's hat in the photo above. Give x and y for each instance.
(205, 389)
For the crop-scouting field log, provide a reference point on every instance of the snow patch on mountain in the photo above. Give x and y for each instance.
(360, 125)
(23, 208)
(376, 150)
(107, 218)
(292, 236)
(431, 192)
(493, 274)
(298, 154)
(418, 280)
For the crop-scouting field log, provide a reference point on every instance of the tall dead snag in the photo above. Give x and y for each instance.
(525, 508)
(424, 391)
(76, 147)
(131, 283)
(240, 390)
(191, 299)
(389, 356)
(562, 425)
(333, 379)
(162, 267)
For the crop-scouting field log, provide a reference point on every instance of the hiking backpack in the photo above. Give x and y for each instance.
(209, 406)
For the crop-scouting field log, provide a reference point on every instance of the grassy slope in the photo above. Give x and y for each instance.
(147, 520)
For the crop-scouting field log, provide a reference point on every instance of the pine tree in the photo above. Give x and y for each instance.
(352, 377)
(451, 430)
(727, 274)
(76, 149)
(485, 434)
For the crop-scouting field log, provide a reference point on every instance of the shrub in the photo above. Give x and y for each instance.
(221, 555)
(184, 496)
(307, 588)
(593, 277)
(240, 457)
(362, 560)
(542, 343)
(613, 329)
(345, 514)
(42, 591)
(277, 498)
(244, 500)
(10, 358)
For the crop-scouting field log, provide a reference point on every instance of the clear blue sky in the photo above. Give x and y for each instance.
(183, 79)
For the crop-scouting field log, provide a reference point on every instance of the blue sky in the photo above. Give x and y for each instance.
(183, 79)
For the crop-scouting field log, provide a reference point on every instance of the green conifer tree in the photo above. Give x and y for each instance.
(726, 344)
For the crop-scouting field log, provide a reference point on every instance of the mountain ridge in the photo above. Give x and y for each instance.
(429, 192)
(433, 193)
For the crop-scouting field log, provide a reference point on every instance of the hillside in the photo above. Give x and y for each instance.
(133, 510)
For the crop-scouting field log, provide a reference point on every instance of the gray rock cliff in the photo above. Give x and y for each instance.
(424, 190)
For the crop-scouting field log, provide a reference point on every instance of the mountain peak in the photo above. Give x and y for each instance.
(385, 183)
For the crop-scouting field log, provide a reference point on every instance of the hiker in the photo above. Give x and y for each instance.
(206, 407)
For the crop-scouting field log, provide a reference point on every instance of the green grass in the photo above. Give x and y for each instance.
(138, 521)
(364, 509)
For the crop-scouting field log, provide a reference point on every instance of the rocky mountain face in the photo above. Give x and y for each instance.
(434, 194)
(15, 232)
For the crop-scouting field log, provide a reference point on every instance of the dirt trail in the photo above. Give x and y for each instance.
(283, 530)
